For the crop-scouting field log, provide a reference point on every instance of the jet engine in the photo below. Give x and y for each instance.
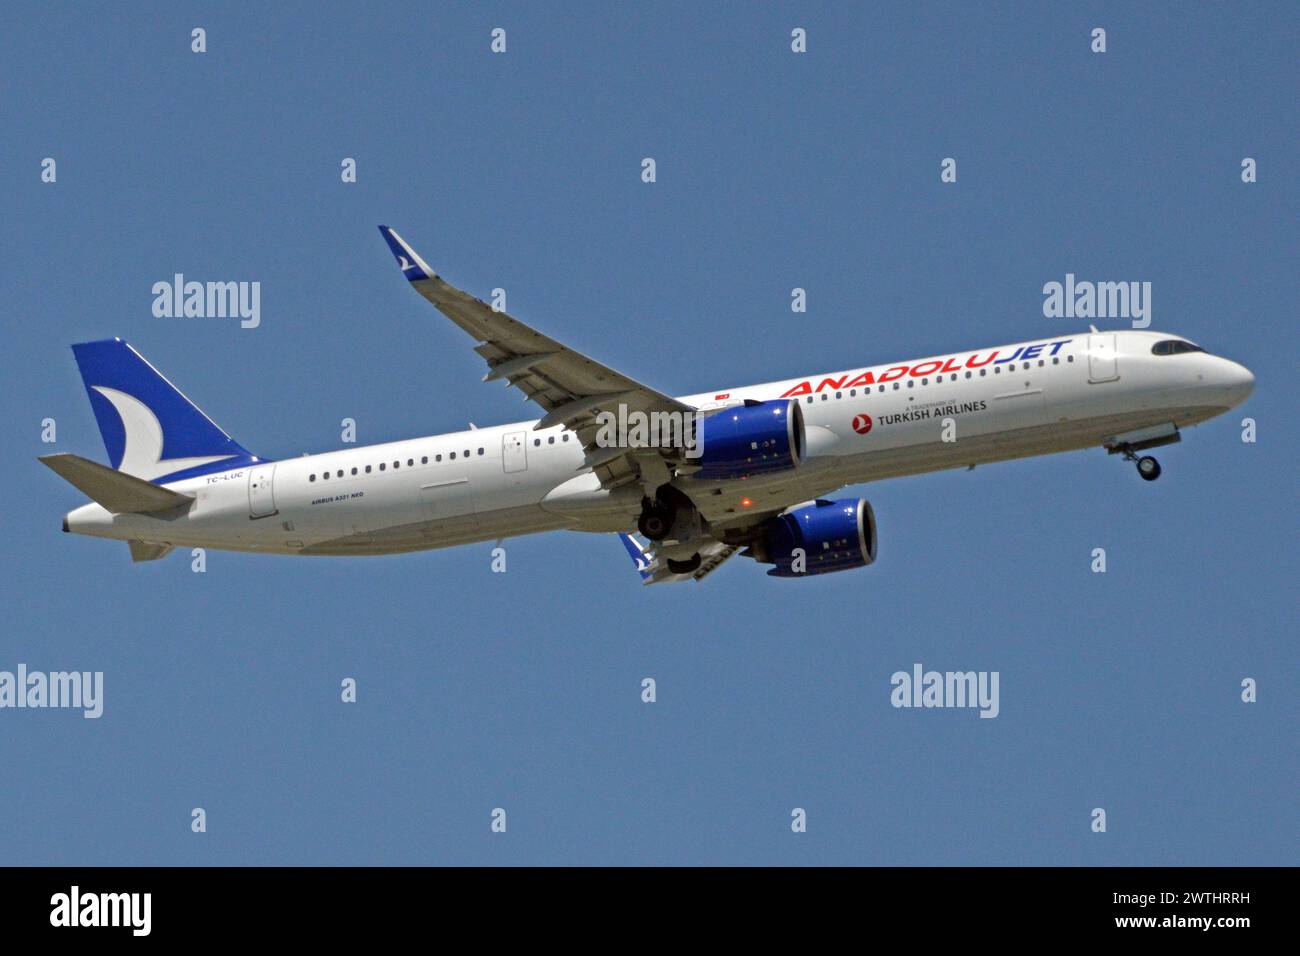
(818, 538)
(751, 439)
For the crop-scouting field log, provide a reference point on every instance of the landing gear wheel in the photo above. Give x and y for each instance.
(689, 566)
(1148, 468)
(656, 520)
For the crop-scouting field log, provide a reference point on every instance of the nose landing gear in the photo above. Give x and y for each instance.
(1130, 443)
(1148, 468)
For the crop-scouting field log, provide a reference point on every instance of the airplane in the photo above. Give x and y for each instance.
(744, 470)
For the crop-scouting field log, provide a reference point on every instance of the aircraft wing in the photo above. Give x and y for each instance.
(570, 387)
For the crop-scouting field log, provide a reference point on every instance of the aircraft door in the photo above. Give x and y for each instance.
(514, 455)
(1103, 365)
(261, 491)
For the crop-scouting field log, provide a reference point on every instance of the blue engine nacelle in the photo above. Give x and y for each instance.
(834, 536)
(750, 439)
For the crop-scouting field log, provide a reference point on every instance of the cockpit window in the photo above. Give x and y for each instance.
(1174, 347)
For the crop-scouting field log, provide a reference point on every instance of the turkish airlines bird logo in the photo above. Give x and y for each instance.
(862, 424)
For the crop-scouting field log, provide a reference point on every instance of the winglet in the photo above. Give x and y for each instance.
(413, 267)
(640, 556)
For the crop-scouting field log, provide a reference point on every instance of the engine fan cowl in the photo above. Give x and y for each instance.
(833, 535)
(751, 439)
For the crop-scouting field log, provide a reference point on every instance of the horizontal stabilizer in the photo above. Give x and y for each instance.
(148, 551)
(117, 491)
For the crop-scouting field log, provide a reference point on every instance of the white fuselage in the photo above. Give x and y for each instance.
(950, 411)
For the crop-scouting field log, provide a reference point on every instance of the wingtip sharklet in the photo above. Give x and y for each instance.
(413, 267)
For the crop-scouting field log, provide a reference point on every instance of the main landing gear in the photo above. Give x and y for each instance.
(668, 514)
(671, 520)
(689, 566)
(656, 519)
(1148, 468)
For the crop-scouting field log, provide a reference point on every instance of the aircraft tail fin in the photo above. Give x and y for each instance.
(142, 416)
(641, 556)
(117, 492)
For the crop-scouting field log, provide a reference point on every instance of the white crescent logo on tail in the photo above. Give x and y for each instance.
(142, 453)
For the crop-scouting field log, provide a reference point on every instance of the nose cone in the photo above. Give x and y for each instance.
(1238, 383)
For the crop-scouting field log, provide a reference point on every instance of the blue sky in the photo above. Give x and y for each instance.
(775, 170)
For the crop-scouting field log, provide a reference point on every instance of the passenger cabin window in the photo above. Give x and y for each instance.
(1174, 347)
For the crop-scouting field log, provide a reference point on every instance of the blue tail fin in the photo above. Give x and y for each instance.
(640, 555)
(143, 417)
